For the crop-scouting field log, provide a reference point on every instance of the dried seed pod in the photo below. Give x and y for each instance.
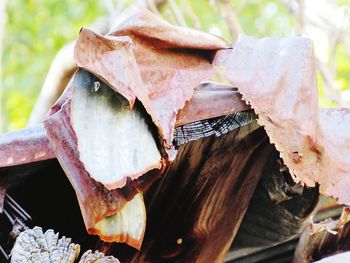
(35, 246)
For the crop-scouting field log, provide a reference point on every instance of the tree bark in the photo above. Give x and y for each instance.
(195, 210)
(318, 242)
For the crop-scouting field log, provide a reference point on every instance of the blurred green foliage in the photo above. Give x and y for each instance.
(37, 29)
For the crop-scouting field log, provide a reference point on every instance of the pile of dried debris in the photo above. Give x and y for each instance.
(141, 129)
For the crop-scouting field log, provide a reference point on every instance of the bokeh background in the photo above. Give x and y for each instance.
(33, 31)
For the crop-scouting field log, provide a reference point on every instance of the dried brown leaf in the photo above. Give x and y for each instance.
(170, 62)
(126, 226)
(95, 201)
(114, 142)
(278, 78)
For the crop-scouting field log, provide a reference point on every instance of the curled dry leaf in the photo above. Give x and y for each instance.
(148, 60)
(114, 142)
(35, 246)
(95, 201)
(92, 194)
(334, 167)
(114, 62)
(278, 78)
(127, 226)
(102, 209)
(170, 62)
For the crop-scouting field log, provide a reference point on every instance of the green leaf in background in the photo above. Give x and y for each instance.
(35, 31)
